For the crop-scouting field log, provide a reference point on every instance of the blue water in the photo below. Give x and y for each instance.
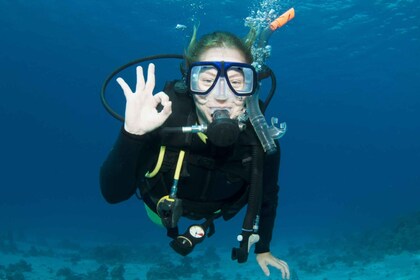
(348, 87)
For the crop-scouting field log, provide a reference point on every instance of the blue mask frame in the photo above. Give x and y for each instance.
(222, 68)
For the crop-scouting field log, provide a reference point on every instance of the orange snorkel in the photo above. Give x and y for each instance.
(274, 25)
(283, 19)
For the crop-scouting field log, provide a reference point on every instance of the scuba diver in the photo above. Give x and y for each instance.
(191, 150)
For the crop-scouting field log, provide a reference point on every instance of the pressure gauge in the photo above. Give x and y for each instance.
(197, 231)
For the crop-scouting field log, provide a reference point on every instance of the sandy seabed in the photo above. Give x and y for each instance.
(391, 251)
(71, 260)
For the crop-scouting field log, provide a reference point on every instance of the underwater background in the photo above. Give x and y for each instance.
(348, 84)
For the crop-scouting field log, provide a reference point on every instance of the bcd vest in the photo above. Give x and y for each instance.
(217, 170)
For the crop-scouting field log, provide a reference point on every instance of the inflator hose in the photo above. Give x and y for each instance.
(255, 192)
(125, 66)
(254, 205)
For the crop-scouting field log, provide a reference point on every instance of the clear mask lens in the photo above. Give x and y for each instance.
(240, 79)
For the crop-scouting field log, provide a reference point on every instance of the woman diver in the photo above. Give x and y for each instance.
(205, 175)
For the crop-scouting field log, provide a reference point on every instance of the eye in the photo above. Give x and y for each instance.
(236, 78)
(207, 77)
(206, 81)
(236, 83)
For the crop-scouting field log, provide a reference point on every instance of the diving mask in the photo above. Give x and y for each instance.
(240, 77)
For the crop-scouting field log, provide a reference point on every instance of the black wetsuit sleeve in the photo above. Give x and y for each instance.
(119, 174)
(269, 202)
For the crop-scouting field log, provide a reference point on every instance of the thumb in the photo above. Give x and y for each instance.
(264, 268)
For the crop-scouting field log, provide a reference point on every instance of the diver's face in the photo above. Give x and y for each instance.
(221, 97)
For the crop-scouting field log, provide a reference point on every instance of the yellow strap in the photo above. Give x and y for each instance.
(158, 164)
(179, 164)
(203, 137)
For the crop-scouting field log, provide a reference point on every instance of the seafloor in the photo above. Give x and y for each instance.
(389, 252)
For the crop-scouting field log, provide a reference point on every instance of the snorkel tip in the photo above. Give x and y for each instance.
(283, 19)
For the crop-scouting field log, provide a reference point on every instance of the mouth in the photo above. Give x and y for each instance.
(213, 109)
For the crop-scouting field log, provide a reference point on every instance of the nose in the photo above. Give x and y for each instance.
(221, 91)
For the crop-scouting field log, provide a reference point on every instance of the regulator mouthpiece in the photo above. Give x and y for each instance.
(223, 131)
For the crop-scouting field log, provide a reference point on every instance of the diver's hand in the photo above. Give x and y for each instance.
(141, 115)
(265, 259)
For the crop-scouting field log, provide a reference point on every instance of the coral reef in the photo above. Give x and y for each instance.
(115, 254)
(359, 248)
(39, 252)
(15, 271)
(112, 260)
(7, 243)
(101, 273)
(117, 273)
(110, 254)
(201, 267)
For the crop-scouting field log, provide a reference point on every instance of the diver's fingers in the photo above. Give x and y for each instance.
(265, 269)
(283, 263)
(126, 89)
(163, 99)
(262, 262)
(266, 259)
(140, 79)
(286, 269)
(150, 83)
(283, 267)
(167, 110)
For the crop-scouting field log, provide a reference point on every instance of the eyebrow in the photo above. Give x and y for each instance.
(235, 75)
(209, 72)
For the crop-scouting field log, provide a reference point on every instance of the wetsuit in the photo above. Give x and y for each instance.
(212, 178)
